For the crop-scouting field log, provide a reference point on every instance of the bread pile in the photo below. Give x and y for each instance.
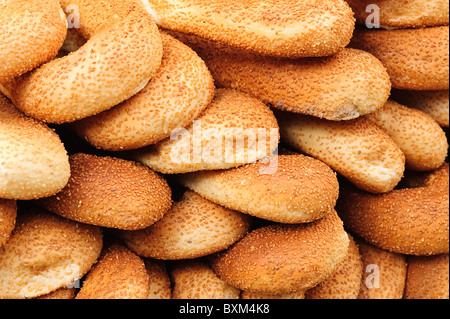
(224, 149)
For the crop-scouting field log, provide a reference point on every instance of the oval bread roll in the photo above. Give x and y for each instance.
(46, 252)
(410, 221)
(33, 161)
(344, 86)
(22, 22)
(284, 28)
(300, 189)
(384, 274)
(418, 135)
(123, 52)
(357, 149)
(280, 258)
(119, 274)
(234, 130)
(178, 93)
(416, 59)
(194, 227)
(111, 192)
(194, 279)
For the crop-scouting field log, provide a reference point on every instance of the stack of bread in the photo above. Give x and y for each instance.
(224, 149)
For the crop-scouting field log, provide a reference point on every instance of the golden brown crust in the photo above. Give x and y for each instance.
(46, 252)
(255, 295)
(60, 294)
(411, 221)
(416, 59)
(119, 274)
(36, 163)
(159, 279)
(111, 192)
(194, 279)
(301, 189)
(22, 22)
(402, 14)
(418, 135)
(235, 129)
(176, 96)
(280, 258)
(384, 274)
(357, 149)
(434, 103)
(344, 86)
(438, 179)
(345, 283)
(194, 227)
(427, 277)
(8, 214)
(284, 28)
(122, 54)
